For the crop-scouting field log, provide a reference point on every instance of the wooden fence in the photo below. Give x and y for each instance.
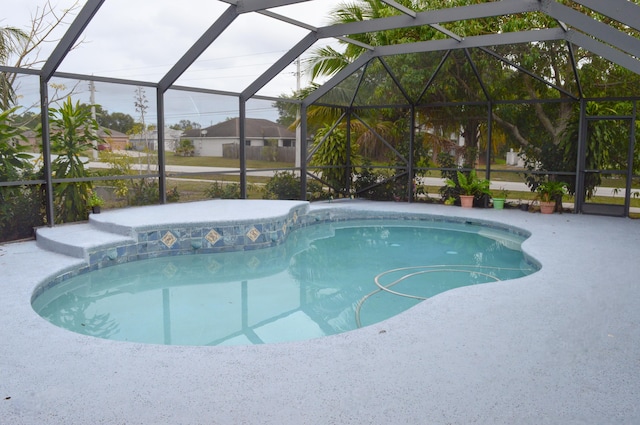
(260, 153)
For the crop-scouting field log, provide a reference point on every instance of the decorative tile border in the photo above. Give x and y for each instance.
(200, 238)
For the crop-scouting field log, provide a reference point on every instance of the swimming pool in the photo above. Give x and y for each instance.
(326, 278)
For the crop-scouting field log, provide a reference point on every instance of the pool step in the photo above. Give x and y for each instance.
(78, 239)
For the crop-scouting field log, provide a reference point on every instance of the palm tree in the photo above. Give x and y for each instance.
(11, 41)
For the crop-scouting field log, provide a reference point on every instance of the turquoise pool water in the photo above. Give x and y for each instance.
(325, 279)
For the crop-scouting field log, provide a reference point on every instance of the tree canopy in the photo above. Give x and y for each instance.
(531, 90)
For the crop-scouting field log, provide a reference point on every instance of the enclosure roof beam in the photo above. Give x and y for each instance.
(356, 42)
(432, 17)
(245, 6)
(593, 27)
(623, 11)
(529, 73)
(109, 80)
(446, 32)
(400, 7)
(483, 86)
(606, 51)
(311, 28)
(470, 42)
(198, 48)
(434, 46)
(281, 64)
(337, 79)
(288, 20)
(65, 45)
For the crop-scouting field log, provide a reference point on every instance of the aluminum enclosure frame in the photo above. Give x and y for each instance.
(589, 34)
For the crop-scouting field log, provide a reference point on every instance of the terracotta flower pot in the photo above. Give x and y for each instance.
(466, 201)
(547, 207)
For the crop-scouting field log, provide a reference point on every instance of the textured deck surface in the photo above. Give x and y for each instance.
(561, 346)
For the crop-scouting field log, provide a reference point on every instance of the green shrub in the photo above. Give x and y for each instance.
(173, 195)
(374, 184)
(185, 148)
(331, 151)
(222, 190)
(143, 192)
(283, 185)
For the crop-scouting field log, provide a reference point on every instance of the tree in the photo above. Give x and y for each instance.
(117, 121)
(463, 76)
(331, 151)
(186, 125)
(287, 111)
(72, 132)
(21, 49)
(12, 40)
(141, 104)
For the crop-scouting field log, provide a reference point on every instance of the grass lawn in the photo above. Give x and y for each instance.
(193, 186)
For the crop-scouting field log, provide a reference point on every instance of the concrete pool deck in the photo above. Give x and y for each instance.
(561, 346)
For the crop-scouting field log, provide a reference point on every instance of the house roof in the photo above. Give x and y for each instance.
(254, 128)
(112, 133)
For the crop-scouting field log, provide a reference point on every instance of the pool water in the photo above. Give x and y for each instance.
(325, 279)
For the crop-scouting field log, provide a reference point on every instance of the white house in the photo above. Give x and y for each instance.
(258, 132)
(149, 140)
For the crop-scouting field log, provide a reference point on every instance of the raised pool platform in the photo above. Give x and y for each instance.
(560, 346)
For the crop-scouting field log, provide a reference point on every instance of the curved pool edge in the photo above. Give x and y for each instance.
(207, 227)
(517, 353)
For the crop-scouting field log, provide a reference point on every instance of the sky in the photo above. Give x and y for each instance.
(142, 39)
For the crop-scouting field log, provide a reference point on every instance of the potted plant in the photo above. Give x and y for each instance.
(95, 202)
(550, 195)
(469, 187)
(499, 198)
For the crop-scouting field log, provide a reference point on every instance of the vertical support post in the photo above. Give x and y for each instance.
(162, 175)
(581, 158)
(46, 151)
(347, 170)
(487, 173)
(412, 138)
(242, 151)
(303, 152)
(630, 158)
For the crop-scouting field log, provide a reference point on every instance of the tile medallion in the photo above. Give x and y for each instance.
(213, 237)
(169, 239)
(253, 234)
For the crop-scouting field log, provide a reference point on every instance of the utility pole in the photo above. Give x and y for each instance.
(92, 101)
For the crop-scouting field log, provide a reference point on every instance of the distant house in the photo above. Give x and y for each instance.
(114, 139)
(258, 132)
(149, 140)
